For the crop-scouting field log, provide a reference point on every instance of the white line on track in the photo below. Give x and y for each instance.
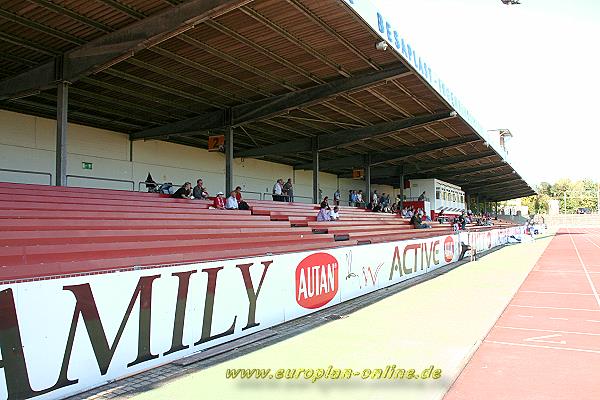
(559, 271)
(587, 275)
(562, 319)
(525, 316)
(546, 330)
(554, 308)
(566, 293)
(543, 347)
(592, 320)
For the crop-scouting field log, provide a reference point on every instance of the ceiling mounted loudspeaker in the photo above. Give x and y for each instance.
(382, 46)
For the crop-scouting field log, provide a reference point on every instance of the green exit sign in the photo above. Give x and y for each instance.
(86, 165)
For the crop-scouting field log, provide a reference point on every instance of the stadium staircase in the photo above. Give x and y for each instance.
(51, 230)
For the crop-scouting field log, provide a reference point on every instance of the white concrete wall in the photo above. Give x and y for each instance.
(28, 143)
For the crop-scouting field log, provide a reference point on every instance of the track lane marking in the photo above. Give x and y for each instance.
(554, 308)
(541, 339)
(566, 293)
(545, 330)
(558, 271)
(543, 346)
(587, 275)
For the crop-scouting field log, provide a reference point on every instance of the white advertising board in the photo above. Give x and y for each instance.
(62, 336)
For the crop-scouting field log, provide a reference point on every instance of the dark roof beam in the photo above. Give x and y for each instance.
(383, 157)
(116, 46)
(346, 137)
(271, 106)
(444, 163)
(484, 186)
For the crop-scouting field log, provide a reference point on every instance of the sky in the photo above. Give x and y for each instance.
(533, 68)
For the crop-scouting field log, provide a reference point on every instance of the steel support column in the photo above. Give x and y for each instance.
(315, 168)
(62, 109)
(401, 205)
(367, 167)
(228, 160)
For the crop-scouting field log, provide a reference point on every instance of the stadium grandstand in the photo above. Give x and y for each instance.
(98, 96)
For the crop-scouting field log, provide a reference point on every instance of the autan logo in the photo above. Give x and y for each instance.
(449, 249)
(316, 280)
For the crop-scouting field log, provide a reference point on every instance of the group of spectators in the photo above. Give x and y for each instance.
(375, 202)
(325, 211)
(283, 191)
(468, 217)
(233, 202)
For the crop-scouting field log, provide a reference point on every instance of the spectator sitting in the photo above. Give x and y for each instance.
(325, 202)
(417, 222)
(232, 203)
(359, 199)
(334, 215)
(199, 191)
(323, 214)
(462, 221)
(242, 205)
(442, 217)
(219, 202)
(184, 192)
(421, 197)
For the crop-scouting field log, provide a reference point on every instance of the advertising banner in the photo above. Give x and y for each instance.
(62, 336)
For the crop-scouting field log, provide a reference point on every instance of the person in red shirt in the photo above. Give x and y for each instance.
(238, 194)
(219, 202)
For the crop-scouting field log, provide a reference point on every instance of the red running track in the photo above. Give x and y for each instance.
(546, 344)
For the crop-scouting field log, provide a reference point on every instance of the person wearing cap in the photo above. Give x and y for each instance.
(232, 203)
(219, 202)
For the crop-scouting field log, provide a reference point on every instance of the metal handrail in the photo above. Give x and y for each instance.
(416, 199)
(103, 179)
(251, 192)
(24, 171)
(268, 196)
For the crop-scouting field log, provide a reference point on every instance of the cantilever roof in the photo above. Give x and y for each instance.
(280, 71)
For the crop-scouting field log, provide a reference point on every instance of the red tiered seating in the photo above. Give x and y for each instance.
(64, 230)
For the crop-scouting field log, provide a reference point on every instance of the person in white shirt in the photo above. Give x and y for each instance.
(334, 215)
(278, 190)
(232, 203)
